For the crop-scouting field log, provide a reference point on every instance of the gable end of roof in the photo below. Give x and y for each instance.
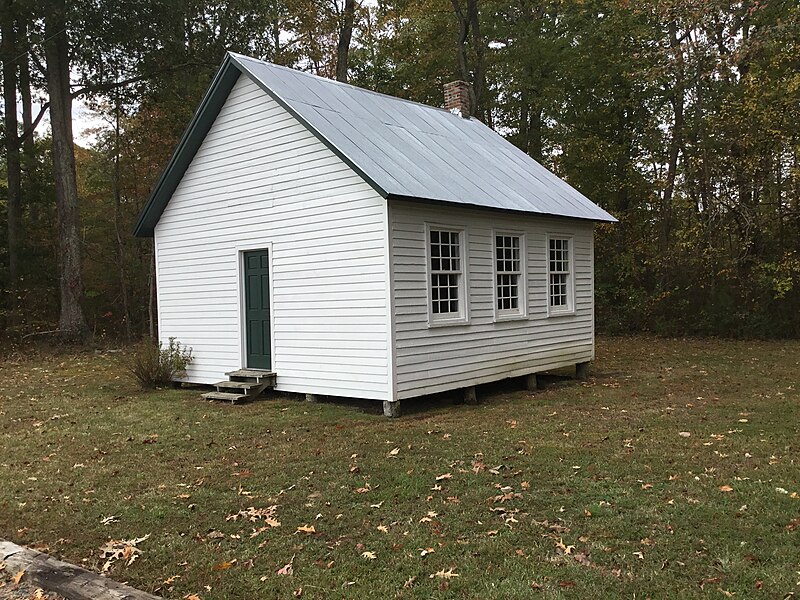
(198, 128)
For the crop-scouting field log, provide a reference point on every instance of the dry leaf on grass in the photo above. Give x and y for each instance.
(254, 514)
(306, 529)
(448, 574)
(18, 577)
(287, 569)
(125, 550)
(725, 488)
(224, 566)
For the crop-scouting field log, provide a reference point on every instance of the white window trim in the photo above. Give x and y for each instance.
(570, 308)
(521, 312)
(436, 319)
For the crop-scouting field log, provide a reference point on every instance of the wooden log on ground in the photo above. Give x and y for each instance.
(71, 581)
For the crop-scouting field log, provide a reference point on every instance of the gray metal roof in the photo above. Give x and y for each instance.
(412, 150)
(402, 149)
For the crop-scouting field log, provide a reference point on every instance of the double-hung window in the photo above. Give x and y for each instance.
(559, 269)
(509, 280)
(447, 290)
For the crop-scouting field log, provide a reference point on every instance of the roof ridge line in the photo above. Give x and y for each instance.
(351, 86)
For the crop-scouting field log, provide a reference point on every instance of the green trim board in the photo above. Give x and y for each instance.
(188, 146)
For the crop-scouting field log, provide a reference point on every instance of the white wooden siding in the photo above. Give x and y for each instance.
(260, 178)
(435, 358)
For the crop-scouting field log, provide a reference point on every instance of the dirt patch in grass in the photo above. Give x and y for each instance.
(672, 471)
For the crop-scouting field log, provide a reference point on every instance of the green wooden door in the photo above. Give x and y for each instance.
(256, 291)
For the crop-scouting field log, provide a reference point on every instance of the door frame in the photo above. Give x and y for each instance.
(241, 248)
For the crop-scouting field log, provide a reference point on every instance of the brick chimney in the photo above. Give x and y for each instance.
(456, 97)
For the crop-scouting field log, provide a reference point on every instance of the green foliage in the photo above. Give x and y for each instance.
(154, 365)
(681, 118)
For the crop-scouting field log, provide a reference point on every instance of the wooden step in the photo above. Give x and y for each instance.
(226, 396)
(244, 386)
(256, 375)
(249, 373)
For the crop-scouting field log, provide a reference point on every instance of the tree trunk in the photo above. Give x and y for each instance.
(71, 323)
(479, 108)
(14, 172)
(677, 100)
(28, 144)
(345, 36)
(461, 48)
(123, 277)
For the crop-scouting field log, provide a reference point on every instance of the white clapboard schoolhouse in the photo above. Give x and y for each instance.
(333, 241)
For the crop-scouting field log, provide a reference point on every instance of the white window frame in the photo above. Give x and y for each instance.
(442, 319)
(521, 312)
(569, 309)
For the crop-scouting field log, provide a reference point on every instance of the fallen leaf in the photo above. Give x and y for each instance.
(287, 569)
(125, 550)
(685, 434)
(563, 547)
(223, 566)
(18, 577)
(394, 452)
(725, 488)
(382, 528)
(254, 514)
(704, 582)
(368, 555)
(445, 476)
(448, 574)
(306, 529)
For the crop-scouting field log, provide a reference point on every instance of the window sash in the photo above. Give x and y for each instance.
(446, 273)
(559, 263)
(508, 273)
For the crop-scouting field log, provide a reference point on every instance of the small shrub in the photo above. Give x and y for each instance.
(155, 365)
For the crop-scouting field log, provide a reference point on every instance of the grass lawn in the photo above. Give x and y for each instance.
(581, 490)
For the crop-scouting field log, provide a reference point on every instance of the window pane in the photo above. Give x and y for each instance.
(445, 271)
(508, 266)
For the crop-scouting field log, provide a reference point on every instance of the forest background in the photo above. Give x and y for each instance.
(680, 117)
